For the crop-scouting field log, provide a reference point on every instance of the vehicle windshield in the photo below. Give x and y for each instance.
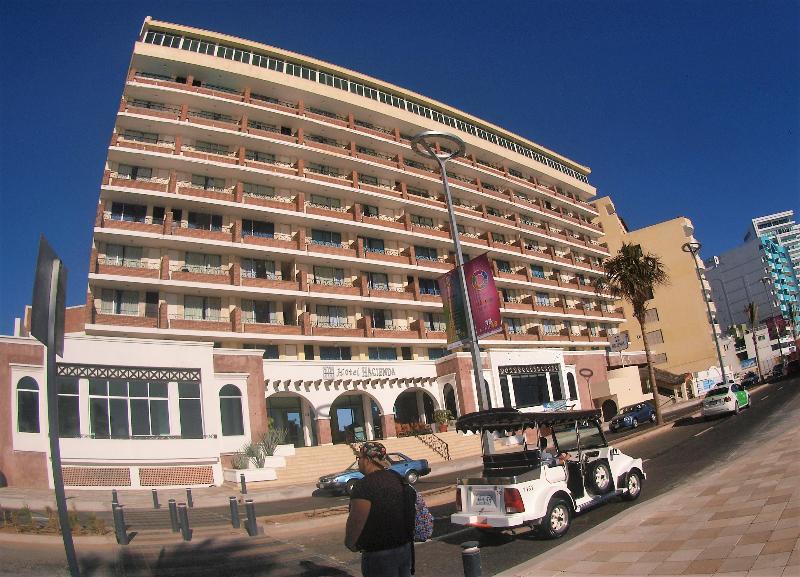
(591, 437)
(630, 409)
(717, 391)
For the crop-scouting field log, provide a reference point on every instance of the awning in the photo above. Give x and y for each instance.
(508, 420)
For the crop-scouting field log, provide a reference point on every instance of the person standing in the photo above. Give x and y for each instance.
(381, 519)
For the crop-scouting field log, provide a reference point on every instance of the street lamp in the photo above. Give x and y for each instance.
(424, 145)
(765, 280)
(693, 248)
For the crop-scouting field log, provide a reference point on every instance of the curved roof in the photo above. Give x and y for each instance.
(502, 420)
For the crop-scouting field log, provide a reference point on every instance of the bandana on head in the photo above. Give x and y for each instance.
(374, 451)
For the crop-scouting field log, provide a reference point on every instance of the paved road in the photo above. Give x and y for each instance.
(315, 549)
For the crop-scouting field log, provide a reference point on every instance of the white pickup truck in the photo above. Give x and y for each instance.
(526, 487)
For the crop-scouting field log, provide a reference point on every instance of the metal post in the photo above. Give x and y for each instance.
(189, 500)
(156, 504)
(120, 529)
(252, 528)
(693, 248)
(422, 147)
(765, 280)
(243, 483)
(183, 517)
(471, 557)
(173, 516)
(114, 497)
(235, 523)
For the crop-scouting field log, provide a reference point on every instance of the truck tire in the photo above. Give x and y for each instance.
(598, 478)
(557, 520)
(633, 486)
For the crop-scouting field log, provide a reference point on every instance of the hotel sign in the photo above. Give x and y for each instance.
(529, 369)
(331, 372)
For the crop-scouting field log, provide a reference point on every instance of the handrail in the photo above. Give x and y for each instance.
(434, 443)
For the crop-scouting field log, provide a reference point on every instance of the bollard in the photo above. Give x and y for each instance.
(173, 516)
(235, 523)
(183, 516)
(114, 497)
(156, 505)
(189, 500)
(243, 483)
(471, 557)
(119, 524)
(252, 528)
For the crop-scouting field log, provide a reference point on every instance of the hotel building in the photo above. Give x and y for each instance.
(266, 246)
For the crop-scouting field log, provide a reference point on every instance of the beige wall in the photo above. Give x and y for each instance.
(682, 316)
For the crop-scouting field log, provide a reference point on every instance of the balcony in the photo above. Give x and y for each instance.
(336, 329)
(323, 247)
(273, 281)
(389, 292)
(211, 322)
(338, 287)
(230, 157)
(187, 189)
(127, 267)
(161, 146)
(339, 212)
(275, 201)
(277, 240)
(204, 274)
(152, 183)
(145, 225)
(551, 307)
(123, 320)
(518, 303)
(392, 330)
(223, 233)
(274, 328)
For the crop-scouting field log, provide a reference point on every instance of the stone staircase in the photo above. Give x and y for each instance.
(310, 463)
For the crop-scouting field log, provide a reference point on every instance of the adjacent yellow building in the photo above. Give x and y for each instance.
(677, 324)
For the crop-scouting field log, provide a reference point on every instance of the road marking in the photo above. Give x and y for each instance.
(703, 431)
(764, 397)
(464, 530)
(780, 388)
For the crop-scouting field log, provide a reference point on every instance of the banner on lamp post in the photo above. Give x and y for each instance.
(483, 299)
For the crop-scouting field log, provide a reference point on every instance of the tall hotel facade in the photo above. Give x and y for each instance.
(266, 248)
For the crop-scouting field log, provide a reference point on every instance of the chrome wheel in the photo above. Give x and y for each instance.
(635, 422)
(633, 486)
(559, 518)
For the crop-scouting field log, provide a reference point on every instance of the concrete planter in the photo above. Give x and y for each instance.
(284, 451)
(274, 462)
(250, 475)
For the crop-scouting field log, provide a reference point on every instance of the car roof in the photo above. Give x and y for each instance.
(514, 420)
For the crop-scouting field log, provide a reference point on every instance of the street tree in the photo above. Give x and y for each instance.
(633, 275)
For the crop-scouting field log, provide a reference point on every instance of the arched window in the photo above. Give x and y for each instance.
(573, 393)
(230, 409)
(27, 405)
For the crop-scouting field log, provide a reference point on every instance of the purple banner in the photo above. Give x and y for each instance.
(483, 298)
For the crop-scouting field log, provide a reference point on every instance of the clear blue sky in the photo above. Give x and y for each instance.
(680, 108)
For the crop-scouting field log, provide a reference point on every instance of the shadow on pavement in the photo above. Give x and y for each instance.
(210, 558)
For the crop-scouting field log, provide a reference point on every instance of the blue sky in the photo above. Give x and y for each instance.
(680, 108)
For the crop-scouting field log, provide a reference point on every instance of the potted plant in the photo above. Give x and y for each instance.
(257, 460)
(442, 417)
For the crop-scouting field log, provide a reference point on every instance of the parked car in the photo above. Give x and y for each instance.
(750, 379)
(633, 416)
(521, 488)
(777, 371)
(725, 399)
(793, 368)
(344, 481)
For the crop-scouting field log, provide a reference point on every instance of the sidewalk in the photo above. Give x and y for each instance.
(742, 520)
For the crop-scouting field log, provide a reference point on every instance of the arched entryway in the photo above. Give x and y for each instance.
(294, 414)
(414, 406)
(355, 417)
(450, 400)
(609, 409)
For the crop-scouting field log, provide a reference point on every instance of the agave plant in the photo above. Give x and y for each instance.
(239, 460)
(271, 439)
(254, 451)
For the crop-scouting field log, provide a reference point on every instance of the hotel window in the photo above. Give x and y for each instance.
(428, 286)
(331, 316)
(434, 322)
(382, 353)
(262, 312)
(251, 189)
(134, 172)
(202, 263)
(204, 221)
(497, 237)
(301, 71)
(413, 190)
(208, 182)
(335, 354)
(257, 268)
(326, 238)
(211, 147)
(121, 255)
(514, 326)
(434, 354)
(27, 405)
(161, 39)
(69, 416)
(537, 271)
(191, 411)
(121, 409)
(423, 221)
(268, 62)
(158, 215)
(325, 201)
(592, 328)
(368, 179)
(379, 318)
(503, 266)
(378, 281)
(369, 210)
(425, 253)
(316, 168)
(230, 409)
(328, 276)
(198, 308)
(258, 228)
(265, 157)
(119, 302)
(233, 54)
(549, 327)
(543, 299)
(373, 245)
(128, 212)
(138, 136)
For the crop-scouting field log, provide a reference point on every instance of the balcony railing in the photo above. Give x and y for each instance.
(127, 263)
(265, 276)
(200, 269)
(332, 325)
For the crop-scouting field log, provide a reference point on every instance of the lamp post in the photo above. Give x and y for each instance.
(693, 248)
(765, 280)
(423, 144)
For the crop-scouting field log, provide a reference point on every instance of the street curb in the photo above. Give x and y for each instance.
(41, 539)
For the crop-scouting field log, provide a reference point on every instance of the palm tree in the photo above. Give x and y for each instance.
(752, 316)
(632, 275)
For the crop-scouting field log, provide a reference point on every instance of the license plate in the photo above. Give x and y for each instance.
(484, 499)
